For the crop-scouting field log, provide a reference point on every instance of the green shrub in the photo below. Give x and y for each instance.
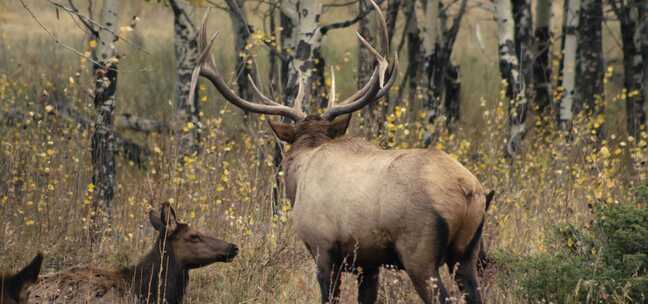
(607, 263)
(622, 231)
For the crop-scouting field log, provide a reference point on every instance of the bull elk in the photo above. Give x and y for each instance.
(160, 277)
(14, 289)
(358, 207)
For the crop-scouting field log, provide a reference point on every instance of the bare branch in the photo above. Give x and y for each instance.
(56, 40)
(93, 26)
(338, 25)
(179, 11)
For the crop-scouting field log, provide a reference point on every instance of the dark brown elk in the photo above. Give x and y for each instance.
(160, 277)
(358, 207)
(14, 289)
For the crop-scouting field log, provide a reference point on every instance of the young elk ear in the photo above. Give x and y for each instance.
(164, 221)
(489, 198)
(285, 131)
(339, 126)
(29, 274)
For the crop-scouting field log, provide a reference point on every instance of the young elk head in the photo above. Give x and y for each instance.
(334, 121)
(15, 289)
(191, 247)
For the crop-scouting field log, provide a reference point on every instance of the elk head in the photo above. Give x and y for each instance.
(15, 289)
(191, 247)
(334, 121)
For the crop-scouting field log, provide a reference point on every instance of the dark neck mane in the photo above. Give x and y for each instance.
(152, 286)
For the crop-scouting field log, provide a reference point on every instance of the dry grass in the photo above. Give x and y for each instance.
(45, 162)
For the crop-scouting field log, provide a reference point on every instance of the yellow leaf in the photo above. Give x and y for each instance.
(605, 152)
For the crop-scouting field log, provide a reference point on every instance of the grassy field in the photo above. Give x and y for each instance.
(45, 169)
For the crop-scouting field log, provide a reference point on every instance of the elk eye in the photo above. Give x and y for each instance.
(195, 238)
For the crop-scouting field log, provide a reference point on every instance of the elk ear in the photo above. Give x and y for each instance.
(489, 198)
(164, 221)
(339, 126)
(285, 131)
(27, 276)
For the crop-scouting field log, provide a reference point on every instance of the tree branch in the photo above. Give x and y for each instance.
(179, 11)
(338, 25)
(127, 148)
(56, 40)
(451, 35)
(94, 26)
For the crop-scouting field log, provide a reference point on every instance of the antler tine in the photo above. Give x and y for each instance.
(260, 94)
(376, 87)
(204, 47)
(299, 99)
(393, 74)
(382, 62)
(207, 68)
(383, 23)
(332, 92)
(195, 74)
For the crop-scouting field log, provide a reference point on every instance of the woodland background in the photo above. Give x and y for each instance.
(544, 101)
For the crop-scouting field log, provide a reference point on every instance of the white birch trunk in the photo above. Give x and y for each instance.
(306, 46)
(238, 19)
(103, 138)
(370, 122)
(566, 112)
(641, 38)
(542, 64)
(186, 53)
(430, 26)
(431, 34)
(510, 70)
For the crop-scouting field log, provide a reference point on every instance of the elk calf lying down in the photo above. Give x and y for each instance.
(160, 277)
(14, 289)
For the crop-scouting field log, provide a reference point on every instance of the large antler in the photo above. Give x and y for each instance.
(207, 69)
(376, 87)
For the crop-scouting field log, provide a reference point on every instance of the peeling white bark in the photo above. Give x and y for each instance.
(542, 64)
(103, 138)
(186, 53)
(304, 47)
(430, 26)
(566, 112)
(510, 70)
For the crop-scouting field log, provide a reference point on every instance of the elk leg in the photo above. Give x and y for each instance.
(466, 273)
(368, 285)
(328, 276)
(466, 278)
(422, 253)
(428, 285)
(423, 270)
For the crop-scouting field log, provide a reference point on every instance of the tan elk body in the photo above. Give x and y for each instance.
(160, 277)
(366, 200)
(358, 207)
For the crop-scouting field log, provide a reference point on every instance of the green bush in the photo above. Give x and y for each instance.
(604, 263)
(622, 231)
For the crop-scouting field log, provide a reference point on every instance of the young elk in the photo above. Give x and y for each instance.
(14, 289)
(358, 207)
(160, 277)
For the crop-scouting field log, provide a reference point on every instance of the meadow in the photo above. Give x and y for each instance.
(45, 166)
